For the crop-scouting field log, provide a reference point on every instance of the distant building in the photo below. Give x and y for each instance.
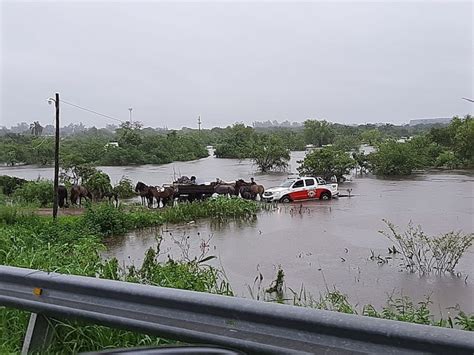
(441, 120)
(112, 144)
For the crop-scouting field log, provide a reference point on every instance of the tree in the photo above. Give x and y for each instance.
(393, 158)
(129, 134)
(318, 133)
(269, 153)
(238, 142)
(372, 136)
(327, 162)
(464, 141)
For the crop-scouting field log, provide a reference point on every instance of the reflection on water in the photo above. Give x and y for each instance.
(323, 244)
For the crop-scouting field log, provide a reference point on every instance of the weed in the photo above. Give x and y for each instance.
(425, 254)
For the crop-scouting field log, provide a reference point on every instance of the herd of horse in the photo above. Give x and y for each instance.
(165, 195)
(79, 192)
(191, 191)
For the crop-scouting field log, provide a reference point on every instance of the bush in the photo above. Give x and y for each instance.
(447, 159)
(8, 184)
(425, 254)
(35, 192)
(125, 188)
(105, 219)
(99, 184)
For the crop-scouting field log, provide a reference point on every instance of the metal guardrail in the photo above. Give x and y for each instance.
(236, 323)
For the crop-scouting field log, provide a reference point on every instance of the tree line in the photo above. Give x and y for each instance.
(447, 146)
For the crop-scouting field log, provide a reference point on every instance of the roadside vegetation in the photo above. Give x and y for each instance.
(72, 245)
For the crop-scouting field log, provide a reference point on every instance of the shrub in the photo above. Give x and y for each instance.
(426, 254)
(36, 192)
(447, 159)
(8, 184)
(106, 220)
(125, 188)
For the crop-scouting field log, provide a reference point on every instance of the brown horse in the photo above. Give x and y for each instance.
(79, 192)
(249, 190)
(165, 194)
(224, 189)
(145, 193)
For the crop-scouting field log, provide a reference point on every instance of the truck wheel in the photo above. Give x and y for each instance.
(325, 196)
(285, 199)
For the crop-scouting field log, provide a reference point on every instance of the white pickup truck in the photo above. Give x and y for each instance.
(300, 189)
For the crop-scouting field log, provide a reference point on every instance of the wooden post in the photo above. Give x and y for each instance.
(56, 160)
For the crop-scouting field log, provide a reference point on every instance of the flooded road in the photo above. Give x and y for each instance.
(323, 245)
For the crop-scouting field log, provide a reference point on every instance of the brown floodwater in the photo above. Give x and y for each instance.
(322, 245)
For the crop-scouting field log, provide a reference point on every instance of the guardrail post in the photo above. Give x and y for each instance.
(38, 335)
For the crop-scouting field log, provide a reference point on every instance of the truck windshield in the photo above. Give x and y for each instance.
(287, 183)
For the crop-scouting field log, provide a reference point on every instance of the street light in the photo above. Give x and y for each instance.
(465, 98)
(130, 109)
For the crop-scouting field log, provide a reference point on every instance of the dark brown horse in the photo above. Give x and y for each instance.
(225, 189)
(79, 192)
(249, 190)
(145, 193)
(165, 194)
(62, 196)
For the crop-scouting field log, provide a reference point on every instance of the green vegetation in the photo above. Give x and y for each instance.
(400, 308)
(72, 245)
(327, 162)
(8, 184)
(424, 254)
(270, 154)
(318, 133)
(39, 193)
(447, 147)
(430, 146)
(135, 146)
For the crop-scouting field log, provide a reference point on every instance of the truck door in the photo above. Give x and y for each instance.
(310, 188)
(298, 191)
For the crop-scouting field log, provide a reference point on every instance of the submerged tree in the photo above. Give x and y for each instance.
(327, 162)
(269, 153)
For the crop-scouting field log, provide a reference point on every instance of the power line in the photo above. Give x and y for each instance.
(91, 111)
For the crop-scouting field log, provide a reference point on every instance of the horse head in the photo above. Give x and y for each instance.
(140, 186)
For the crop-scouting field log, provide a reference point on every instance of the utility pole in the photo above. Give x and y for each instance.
(130, 109)
(199, 123)
(56, 160)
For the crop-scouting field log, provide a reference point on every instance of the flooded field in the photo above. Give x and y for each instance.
(321, 244)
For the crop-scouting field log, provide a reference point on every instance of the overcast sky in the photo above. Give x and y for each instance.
(347, 62)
